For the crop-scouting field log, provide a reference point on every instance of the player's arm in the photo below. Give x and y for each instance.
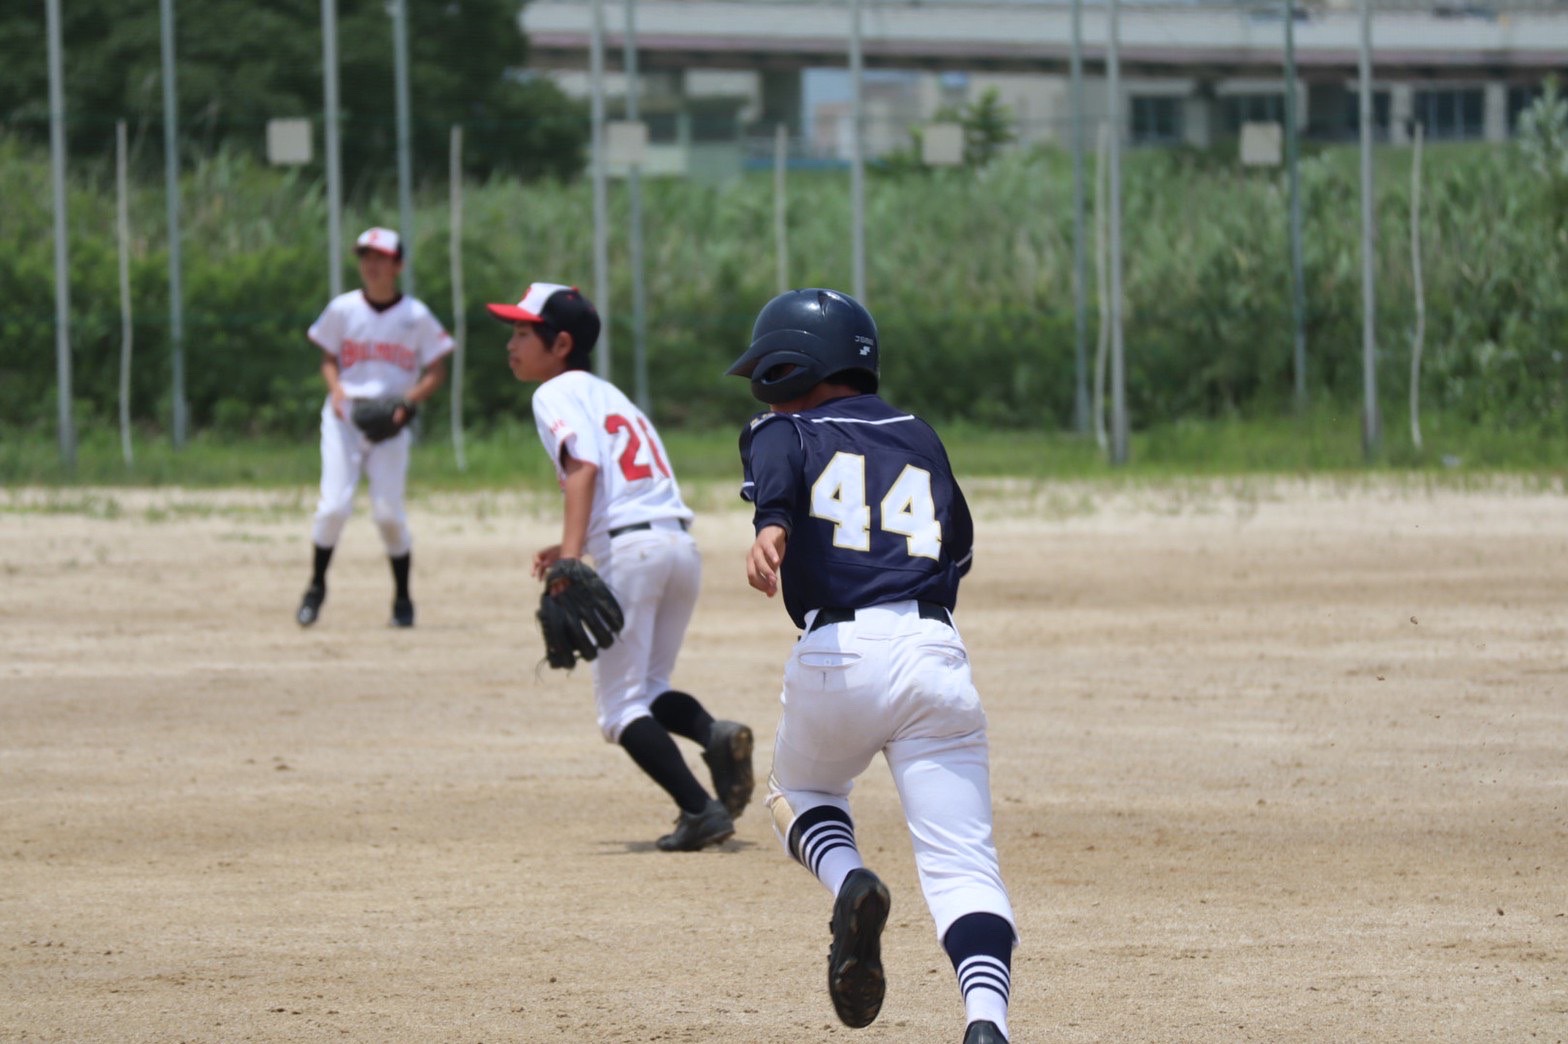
(772, 459)
(332, 373)
(430, 379)
(578, 485)
(765, 557)
(961, 533)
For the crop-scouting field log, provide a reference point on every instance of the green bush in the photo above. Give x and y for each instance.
(969, 275)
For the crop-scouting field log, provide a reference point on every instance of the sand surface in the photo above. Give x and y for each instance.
(1272, 761)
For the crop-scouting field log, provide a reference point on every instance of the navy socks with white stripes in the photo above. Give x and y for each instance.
(822, 840)
(980, 946)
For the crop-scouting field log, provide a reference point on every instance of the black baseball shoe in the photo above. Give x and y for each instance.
(697, 830)
(402, 612)
(855, 979)
(728, 755)
(310, 605)
(984, 1032)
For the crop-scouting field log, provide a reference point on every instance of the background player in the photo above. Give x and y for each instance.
(375, 344)
(858, 515)
(623, 507)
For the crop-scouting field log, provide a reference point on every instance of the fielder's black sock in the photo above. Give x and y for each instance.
(400, 566)
(656, 754)
(681, 714)
(318, 569)
(980, 945)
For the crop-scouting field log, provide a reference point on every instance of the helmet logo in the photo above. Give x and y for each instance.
(866, 344)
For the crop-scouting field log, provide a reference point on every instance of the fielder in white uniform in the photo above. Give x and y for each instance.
(623, 508)
(859, 519)
(375, 343)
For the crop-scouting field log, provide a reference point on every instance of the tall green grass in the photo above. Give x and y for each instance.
(511, 458)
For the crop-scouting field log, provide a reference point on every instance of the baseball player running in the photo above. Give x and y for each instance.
(859, 519)
(623, 507)
(377, 346)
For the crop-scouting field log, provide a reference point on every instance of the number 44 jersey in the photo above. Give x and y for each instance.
(582, 416)
(869, 500)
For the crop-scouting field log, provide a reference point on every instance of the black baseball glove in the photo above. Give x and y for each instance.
(580, 618)
(379, 418)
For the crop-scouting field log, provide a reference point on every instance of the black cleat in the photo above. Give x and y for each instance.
(984, 1032)
(729, 759)
(310, 605)
(402, 613)
(855, 979)
(697, 830)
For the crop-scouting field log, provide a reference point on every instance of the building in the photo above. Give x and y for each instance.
(721, 74)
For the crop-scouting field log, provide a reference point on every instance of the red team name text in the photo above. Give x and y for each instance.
(398, 355)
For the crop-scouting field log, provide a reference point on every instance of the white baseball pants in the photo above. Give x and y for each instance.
(346, 455)
(894, 682)
(655, 574)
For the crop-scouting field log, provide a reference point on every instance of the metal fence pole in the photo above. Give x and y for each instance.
(1298, 306)
(122, 223)
(1417, 338)
(1118, 361)
(329, 81)
(781, 205)
(171, 175)
(1080, 280)
(459, 308)
(62, 278)
(857, 161)
(405, 154)
(601, 232)
(1371, 423)
(634, 202)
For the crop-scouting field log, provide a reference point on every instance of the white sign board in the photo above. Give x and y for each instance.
(1260, 144)
(626, 143)
(942, 145)
(288, 142)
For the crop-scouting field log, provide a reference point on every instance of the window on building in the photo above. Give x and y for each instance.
(1156, 119)
(662, 127)
(1380, 111)
(1236, 109)
(1520, 98)
(1451, 113)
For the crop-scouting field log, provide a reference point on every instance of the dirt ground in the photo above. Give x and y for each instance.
(1272, 761)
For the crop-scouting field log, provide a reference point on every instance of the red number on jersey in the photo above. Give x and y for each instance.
(629, 467)
(653, 447)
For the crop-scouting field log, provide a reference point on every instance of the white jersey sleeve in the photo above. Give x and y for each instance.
(327, 331)
(591, 420)
(431, 337)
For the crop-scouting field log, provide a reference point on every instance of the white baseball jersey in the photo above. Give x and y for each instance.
(593, 421)
(380, 352)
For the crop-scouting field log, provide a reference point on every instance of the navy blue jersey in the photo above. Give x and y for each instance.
(869, 500)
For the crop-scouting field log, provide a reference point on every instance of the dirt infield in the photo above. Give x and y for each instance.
(1274, 761)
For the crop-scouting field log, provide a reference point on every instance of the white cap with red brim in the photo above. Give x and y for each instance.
(381, 240)
(531, 308)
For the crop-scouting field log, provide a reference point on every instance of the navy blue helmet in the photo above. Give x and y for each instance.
(802, 337)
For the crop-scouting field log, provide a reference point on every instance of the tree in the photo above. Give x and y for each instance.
(987, 126)
(242, 62)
